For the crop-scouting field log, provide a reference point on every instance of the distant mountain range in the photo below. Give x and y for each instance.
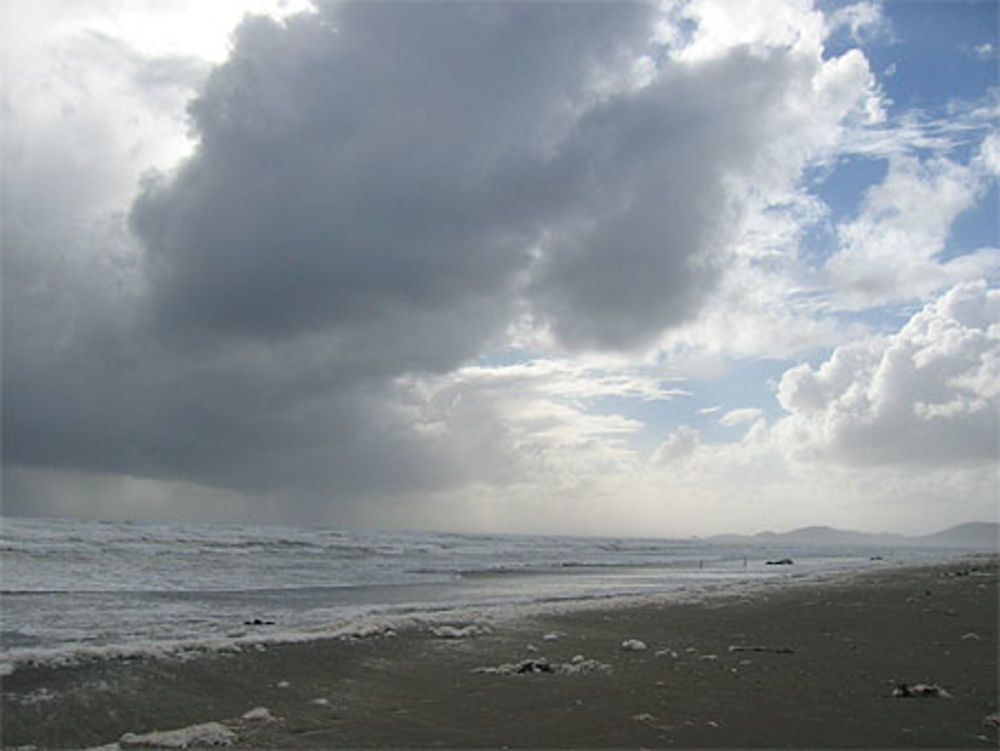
(972, 536)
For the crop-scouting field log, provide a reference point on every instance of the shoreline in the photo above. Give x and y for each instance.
(416, 615)
(810, 662)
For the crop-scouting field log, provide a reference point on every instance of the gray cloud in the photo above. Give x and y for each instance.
(377, 189)
(367, 170)
(651, 239)
(353, 211)
(376, 170)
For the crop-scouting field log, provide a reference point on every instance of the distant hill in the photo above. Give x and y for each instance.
(973, 536)
(979, 535)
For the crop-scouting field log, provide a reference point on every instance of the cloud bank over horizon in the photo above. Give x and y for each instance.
(622, 268)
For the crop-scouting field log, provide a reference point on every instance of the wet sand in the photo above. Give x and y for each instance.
(808, 665)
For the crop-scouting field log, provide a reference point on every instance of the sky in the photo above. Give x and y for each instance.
(620, 268)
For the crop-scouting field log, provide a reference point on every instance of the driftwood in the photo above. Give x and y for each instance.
(774, 650)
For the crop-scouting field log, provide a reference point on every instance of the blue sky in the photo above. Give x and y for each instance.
(670, 268)
(937, 52)
(930, 56)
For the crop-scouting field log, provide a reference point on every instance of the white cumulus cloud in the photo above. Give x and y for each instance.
(890, 252)
(926, 394)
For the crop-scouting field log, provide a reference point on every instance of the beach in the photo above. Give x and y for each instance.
(892, 657)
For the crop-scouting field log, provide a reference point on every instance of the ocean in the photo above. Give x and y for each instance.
(85, 589)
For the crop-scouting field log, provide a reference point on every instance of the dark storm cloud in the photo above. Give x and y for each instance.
(388, 168)
(650, 245)
(379, 171)
(256, 420)
(377, 189)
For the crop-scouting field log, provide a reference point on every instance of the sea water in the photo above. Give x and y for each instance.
(73, 588)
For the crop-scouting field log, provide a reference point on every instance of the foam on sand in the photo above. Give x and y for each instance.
(204, 734)
(463, 632)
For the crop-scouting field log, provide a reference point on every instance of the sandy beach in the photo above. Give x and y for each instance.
(888, 658)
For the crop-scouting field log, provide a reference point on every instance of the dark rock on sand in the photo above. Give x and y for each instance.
(905, 691)
(533, 666)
